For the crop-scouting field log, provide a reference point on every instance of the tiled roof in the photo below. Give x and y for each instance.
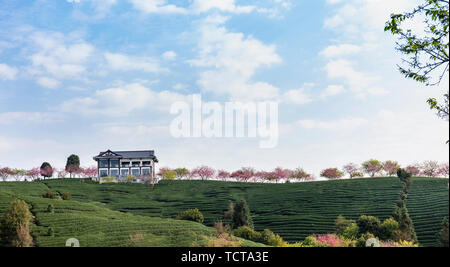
(126, 154)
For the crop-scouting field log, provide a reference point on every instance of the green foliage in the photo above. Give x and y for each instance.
(427, 51)
(270, 238)
(241, 214)
(15, 225)
(170, 175)
(406, 227)
(341, 224)
(72, 164)
(388, 229)
(66, 196)
(108, 179)
(443, 234)
(311, 241)
(351, 232)
(192, 215)
(247, 233)
(49, 194)
(368, 224)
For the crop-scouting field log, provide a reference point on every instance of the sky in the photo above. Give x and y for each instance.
(84, 76)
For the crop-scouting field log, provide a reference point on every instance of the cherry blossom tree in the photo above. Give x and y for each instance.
(430, 168)
(61, 173)
(34, 173)
(444, 170)
(5, 173)
(332, 173)
(351, 169)
(372, 167)
(223, 175)
(203, 172)
(243, 174)
(90, 172)
(391, 167)
(414, 169)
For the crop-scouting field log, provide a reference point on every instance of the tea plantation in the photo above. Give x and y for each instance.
(293, 210)
(95, 225)
(109, 213)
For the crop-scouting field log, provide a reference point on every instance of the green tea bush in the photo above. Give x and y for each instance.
(50, 195)
(66, 196)
(191, 215)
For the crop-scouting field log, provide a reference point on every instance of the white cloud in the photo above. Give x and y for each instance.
(48, 82)
(122, 62)
(348, 124)
(232, 59)
(201, 6)
(121, 101)
(58, 56)
(357, 80)
(169, 55)
(28, 117)
(7, 72)
(333, 90)
(378, 91)
(157, 6)
(340, 50)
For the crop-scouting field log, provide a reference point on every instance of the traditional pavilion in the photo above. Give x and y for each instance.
(126, 163)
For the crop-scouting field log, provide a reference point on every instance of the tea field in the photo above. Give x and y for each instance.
(293, 210)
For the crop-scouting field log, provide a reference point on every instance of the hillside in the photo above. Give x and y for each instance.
(95, 225)
(293, 210)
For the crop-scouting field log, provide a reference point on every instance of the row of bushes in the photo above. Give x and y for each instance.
(51, 195)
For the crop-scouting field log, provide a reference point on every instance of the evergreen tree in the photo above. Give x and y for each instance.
(241, 214)
(73, 164)
(443, 235)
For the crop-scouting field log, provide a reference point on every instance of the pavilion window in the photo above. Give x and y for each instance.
(146, 163)
(114, 163)
(136, 164)
(135, 172)
(103, 163)
(103, 173)
(114, 173)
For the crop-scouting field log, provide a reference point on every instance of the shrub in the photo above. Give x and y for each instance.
(49, 194)
(388, 228)
(368, 224)
(241, 215)
(341, 224)
(361, 242)
(66, 196)
(191, 215)
(270, 238)
(443, 235)
(311, 241)
(108, 179)
(16, 225)
(330, 240)
(221, 228)
(247, 233)
(222, 241)
(50, 208)
(351, 232)
(400, 244)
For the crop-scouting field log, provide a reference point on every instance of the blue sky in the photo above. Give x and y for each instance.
(82, 76)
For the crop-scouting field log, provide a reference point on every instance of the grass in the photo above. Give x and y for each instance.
(292, 210)
(93, 224)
